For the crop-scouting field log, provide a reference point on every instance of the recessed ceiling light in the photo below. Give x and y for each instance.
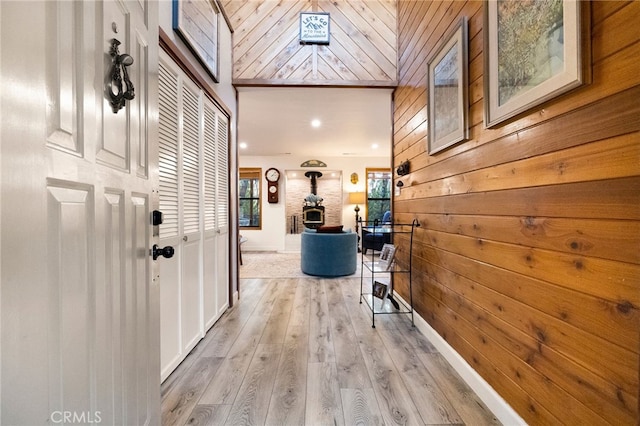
(374, 146)
(243, 145)
(315, 123)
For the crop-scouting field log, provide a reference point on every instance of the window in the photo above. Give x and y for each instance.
(378, 193)
(249, 188)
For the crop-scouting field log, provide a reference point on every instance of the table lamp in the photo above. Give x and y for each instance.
(356, 198)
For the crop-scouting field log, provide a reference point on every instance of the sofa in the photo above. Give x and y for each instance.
(326, 254)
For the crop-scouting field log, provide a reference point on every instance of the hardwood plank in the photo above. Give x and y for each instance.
(324, 404)
(396, 405)
(252, 402)
(320, 337)
(412, 335)
(208, 415)
(178, 403)
(462, 397)
(300, 311)
(352, 372)
(276, 326)
(287, 404)
(219, 340)
(224, 388)
(433, 406)
(360, 407)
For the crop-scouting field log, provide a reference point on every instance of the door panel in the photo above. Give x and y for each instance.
(222, 213)
(71, 288)
(191, 304)
(191, 266)
(211, 252)
(79, 291)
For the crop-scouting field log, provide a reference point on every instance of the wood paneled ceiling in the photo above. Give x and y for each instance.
(267, 50)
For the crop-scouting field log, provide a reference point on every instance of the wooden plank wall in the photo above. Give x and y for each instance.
(267, 51)
(527, 261)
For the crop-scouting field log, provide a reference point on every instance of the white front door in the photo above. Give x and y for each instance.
(79, 291)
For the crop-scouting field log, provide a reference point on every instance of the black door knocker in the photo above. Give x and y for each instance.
(120, 89)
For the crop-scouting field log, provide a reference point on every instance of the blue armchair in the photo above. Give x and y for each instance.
(328, 255)
(375, 240)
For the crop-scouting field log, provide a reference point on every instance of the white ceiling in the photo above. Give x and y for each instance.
(276, 121)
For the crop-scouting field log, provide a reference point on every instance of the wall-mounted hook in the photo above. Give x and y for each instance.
(120, 88)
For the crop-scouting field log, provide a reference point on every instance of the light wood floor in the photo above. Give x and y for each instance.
(301, 351)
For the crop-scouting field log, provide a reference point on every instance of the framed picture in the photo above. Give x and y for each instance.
(380, 290)
(447, 91)
(387, 253)
(196, 21)
(533, 52)
(314, 28)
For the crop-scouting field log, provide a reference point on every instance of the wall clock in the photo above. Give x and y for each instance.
(273, 176)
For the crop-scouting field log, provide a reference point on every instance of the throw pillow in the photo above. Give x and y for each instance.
(330, 229)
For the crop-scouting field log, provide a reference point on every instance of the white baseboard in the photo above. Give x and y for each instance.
(498, 406)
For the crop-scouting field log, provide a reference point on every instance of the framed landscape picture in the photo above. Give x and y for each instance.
(387, 253)
(447, 91)
(196, 21)
(532, 51)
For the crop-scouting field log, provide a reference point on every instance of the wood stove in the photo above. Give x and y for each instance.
(313, 213)
(313, 217)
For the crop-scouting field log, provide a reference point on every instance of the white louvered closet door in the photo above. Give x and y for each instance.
(180, 201)
(193, 198)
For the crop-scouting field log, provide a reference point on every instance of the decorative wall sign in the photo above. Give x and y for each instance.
(197, 23)
(313, 163)
(314, 28)
(447, 88)
(533, 52)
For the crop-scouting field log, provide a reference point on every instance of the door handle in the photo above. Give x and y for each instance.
(166, 252)
(185, 238)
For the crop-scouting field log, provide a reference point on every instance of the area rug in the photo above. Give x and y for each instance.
(260, 264)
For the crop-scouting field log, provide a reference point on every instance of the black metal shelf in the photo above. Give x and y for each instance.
(380, 274)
